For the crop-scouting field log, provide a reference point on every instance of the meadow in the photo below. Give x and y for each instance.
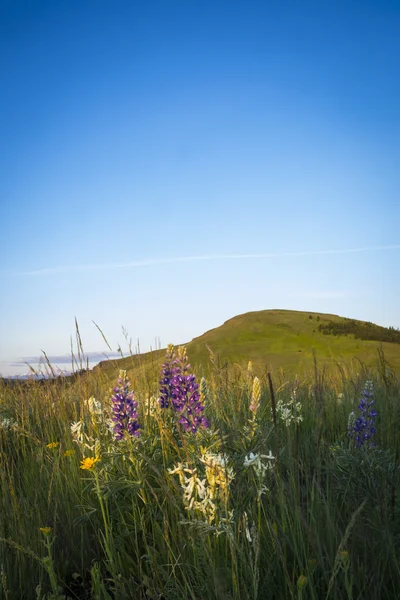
(165, 484)
(284, 340)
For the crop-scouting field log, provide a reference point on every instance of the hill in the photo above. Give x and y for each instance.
(280, 340)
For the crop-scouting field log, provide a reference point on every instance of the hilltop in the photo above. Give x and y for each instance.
(281, 339)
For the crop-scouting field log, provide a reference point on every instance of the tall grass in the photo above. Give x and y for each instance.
(295, 510)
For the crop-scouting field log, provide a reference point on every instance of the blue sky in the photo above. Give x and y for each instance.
(257, 141)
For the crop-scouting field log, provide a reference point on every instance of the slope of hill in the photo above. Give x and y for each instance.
(278, 339)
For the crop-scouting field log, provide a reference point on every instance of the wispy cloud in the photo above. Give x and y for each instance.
(181, 259)
(315, 295)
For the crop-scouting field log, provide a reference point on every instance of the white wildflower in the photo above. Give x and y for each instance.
(76, 430)
(218, 473)
(290, 412)
(8, 424)
(196, 494)
(179, 470)
(151, 406)
(261, 464)
(246, 526)
(194, 488)
(81, 438)
(94, 406)
(201, 494)
(256, 461)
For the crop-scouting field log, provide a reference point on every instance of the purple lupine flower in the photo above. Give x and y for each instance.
(363, 427)
(124, 413)
(179, 389)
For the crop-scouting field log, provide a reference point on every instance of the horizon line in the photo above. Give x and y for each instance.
(159, 261)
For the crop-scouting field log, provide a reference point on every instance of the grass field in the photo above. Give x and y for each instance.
(270, 497)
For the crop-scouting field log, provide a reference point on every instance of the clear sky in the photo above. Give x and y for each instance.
(167, 165)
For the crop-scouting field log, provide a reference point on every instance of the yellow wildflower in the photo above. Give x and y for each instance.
(344, 555)
(302, 582)
(69, 452)
(312, 563)
(53, 445)
(45, 530)
(88, 463)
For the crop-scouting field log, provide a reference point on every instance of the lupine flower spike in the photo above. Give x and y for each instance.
(124, 409)
(180, 390)
(362, 429)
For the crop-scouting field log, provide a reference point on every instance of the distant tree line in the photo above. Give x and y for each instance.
(361, 331)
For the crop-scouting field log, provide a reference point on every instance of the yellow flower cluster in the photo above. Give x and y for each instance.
(87, 464)
(53, 445)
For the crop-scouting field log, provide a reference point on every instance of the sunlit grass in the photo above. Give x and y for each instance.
(246, 508)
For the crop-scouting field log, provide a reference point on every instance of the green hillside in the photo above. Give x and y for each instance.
(279, 339)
